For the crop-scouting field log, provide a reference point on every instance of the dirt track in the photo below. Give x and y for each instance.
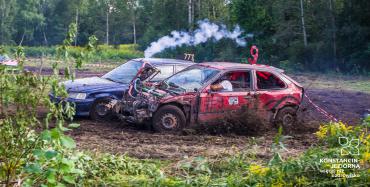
(121, 138)
(116, 137)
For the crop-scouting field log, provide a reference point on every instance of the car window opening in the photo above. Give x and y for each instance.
(164, 72)
(266, 81)
(191, 79)
(240, 81)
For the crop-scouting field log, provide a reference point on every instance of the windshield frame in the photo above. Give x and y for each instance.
(197, 66)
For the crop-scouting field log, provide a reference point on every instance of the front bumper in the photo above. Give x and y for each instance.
(83, 106)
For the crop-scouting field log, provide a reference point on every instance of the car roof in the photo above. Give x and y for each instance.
(235, 65)
(162, 61)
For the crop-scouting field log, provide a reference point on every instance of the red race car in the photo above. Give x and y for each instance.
(210, 92)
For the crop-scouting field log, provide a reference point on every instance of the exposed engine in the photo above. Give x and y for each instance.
(141, 99)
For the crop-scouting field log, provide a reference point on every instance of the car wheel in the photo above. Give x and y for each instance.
(99, 110)
(169, 118)
(286, 117)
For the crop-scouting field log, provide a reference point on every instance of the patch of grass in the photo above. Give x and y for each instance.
(241, 169)
(352, 83)
(47, 63)
(103, 53)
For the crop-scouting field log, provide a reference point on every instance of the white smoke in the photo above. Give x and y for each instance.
(206, 30)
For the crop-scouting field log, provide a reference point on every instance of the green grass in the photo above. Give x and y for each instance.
(354, 83)
(242, 169)
(103, 53)
(89, 66)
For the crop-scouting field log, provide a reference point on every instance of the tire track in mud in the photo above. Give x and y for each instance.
(346, 106)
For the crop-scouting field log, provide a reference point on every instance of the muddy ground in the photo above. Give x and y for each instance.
(120, 138)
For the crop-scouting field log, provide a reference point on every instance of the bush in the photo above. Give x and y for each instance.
(31, 153)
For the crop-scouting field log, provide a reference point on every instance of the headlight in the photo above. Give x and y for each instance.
(77, 95)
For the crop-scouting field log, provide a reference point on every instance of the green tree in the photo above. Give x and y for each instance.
(28, 19)
(8, 9)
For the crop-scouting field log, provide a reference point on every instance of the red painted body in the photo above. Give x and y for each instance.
(205, 106)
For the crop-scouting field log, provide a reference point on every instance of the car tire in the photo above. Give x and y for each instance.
(287, 118)
(99, 111)
(168, 118)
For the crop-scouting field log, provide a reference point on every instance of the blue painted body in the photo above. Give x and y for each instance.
(100, 87)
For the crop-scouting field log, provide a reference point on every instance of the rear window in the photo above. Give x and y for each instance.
(268, 81)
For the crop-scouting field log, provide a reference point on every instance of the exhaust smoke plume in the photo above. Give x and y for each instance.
(206, 30)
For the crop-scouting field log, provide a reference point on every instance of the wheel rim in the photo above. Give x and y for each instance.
(288, 120)
(169, 121)
(101, 109)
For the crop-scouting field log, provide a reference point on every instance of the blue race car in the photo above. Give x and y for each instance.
(91, 95)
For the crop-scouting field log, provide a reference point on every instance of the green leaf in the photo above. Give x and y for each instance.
(51, 178)
(55, 134)
(65, 168)
(38, 152)
(67, 142)
(69, 179)
(64, 129)
(50, 154)
(276, 159)
(33, 168)
(60, 185)
(46, 135)
(77, 171)
(73, 125)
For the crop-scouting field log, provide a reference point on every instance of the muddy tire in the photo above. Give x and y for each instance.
(100, 112)
(168, 118)
(287, 118)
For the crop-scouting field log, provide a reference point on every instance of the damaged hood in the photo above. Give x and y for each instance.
(92, 84)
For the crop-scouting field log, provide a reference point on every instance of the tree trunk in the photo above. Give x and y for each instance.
(107, 28)
(1, 31)
(199, 9)
(333, 30)
(2, 8)
(303, 26)
(42, 63)
(20, 43)
(192, 11)
(213, 12)
(134, 27)
(45, 39)
(77, 14)
(190, 19)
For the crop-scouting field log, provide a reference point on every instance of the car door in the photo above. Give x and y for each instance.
(271, 91)
(218, 105)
